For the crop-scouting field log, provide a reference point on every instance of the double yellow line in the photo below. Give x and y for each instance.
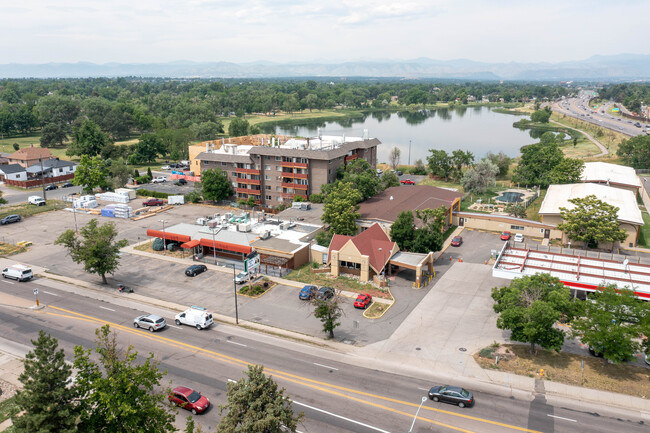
(309, 383)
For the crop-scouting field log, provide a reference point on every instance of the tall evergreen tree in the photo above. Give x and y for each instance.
(46, 402)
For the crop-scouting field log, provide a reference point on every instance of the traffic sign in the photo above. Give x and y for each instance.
(36, 291)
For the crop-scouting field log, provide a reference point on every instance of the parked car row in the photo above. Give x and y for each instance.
(309, 292)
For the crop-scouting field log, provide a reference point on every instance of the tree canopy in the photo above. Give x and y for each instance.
(90, 173)
(340, 210)
(215, 185)
(635, 151)
(541, 116)
(328, 311)
(402, 230)
(97, 247)
(591, 221)
(88, 139)
(537, 162)
(477, 178)
(530, 306)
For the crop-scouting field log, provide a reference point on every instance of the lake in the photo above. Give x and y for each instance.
(477, 129)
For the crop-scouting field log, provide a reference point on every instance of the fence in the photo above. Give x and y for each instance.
(37, 182)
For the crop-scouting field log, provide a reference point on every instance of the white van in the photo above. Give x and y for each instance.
(18, 273)
(195, 316)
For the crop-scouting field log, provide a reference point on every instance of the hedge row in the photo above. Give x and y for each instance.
(154, 194)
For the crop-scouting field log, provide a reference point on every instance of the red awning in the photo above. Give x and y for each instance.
(245, 249)
(168, 236)
(190, 244)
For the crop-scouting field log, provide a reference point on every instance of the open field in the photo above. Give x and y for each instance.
(566, 368)
(608, 138)
(26, 210)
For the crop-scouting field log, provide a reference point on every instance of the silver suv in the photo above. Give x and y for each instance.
(150, 322)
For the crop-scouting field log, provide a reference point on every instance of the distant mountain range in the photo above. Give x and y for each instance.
(622, 67)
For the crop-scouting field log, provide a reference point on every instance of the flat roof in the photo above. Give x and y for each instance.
(558, 196)
(604, 172)
(311, 216)
(412, 259)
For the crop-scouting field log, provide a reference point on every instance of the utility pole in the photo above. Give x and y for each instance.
(42, 178)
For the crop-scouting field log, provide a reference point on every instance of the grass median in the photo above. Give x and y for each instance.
(26, 210)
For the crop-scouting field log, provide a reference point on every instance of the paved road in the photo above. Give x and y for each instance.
(14, 196)
(337, 392)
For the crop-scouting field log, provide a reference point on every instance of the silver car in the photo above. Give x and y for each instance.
(150, 322)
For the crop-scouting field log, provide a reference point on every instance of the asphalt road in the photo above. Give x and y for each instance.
(14, 196)
(580, 109)
(338, 393)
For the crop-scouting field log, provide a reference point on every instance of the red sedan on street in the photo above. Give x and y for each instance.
(189, 399)
(363, 301)
(407, 182)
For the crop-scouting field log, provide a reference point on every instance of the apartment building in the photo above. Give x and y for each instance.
(275, 170)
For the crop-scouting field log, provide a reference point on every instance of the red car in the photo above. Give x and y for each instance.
(363, 301)
(407, 182)
(153, 202)
(456, 241)
(189, 399)
(505, 236)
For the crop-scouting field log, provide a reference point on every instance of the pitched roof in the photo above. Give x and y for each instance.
(388, 204)
(368, 242)
(558, 196)
(31, 153)
(58, 163)
(11, 168)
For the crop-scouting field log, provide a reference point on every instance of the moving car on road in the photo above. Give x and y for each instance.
(189, 399)
(363, 301)
(150, 322)
(307, 293)
(18, 273)
(452, 394)
(194, 270)
(457, 241)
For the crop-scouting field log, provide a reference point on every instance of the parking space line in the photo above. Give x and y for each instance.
(325, 366)
(106, 308)
(561, 417)
(423, 389)
(340, 417)
(234, 342)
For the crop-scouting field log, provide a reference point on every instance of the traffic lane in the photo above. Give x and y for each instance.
(14, 196)
(504, 409)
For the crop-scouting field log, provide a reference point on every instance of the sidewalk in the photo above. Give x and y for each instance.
(459, 367)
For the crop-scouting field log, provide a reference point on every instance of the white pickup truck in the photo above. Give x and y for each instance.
(36, 200)
(159, 179)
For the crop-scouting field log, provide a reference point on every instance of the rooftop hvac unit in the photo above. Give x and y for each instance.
(265, 235)
(285, 225)
(244, 227)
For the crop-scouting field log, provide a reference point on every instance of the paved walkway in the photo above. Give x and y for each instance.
(603, 149)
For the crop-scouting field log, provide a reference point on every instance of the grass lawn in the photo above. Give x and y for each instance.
(6, 407)
(26, 210)
(644, 236)
(566, 368)
(375, 310)
(608, 138)
(441, 184)
(7, 250)
(532, 211)
(303, 275)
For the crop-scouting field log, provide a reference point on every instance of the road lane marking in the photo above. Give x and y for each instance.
(310, 383)
(8, 282)
(174, 326)
(560, 417)
(233, 381)
(234, 342)
(423, 389)
(340, 417)
(325, 366)
(106, 308)
(50, 293)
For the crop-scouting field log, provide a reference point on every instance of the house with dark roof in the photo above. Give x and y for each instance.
(371, 253)
(52, 168)
(385, 207)
(29, 156)
(12, 172)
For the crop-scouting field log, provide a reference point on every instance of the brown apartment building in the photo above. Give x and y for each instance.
(275, 170)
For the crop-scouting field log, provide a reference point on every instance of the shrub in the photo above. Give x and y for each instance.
(486, 352)
(193, 196)
(317, 198)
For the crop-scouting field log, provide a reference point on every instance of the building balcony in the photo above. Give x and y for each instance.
(294, 185)
(294, 175)
(292, 195)
(351, 157)
(247, 171)
(248, 191)
(250, 181)
(293, 164)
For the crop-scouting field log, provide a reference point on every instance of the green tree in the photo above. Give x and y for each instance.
(389, 179)
(591, 221)
(516, 210)
(530, 307)
(439, 163)
(90, 173)
(460, 159)
(635, 152)
(215, 185)
(87, 139)
(97, 248)
(477, 178)
(47, 401)
(361, 174)
(419, 168)
(340, 210)
(120, 392)
(402, 230)
(119, 174)
(536, 163)
(256, 404)
(569, 170)
(53, 135)
(610, 322)
(324, 238)
(148, 147)
(328, 312)
(541, 116)
(393, 157)
(238, 127)
(433, 218)
(501, 160)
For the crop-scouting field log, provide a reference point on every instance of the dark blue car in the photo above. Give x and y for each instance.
(307, 292)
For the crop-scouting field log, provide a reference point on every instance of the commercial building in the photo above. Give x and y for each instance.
(275, 170)
(615, 175)
(629, 215)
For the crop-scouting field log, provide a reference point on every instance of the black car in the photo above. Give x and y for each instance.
(325, 293)
(597, 352)
(452, 394)
(51, 187)
(195, 270)
(10, 219)
(180, 182)
(67, 185)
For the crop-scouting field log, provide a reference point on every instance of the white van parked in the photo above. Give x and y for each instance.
(195, 316)
(18, 273)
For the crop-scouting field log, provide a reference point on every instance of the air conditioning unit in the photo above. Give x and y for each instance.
(285, 225)
(244, 227)
(265, 235)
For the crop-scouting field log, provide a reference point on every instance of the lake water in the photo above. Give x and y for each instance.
(477, 129)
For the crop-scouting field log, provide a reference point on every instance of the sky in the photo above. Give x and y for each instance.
(285, 31)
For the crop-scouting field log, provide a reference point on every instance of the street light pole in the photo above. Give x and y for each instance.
(164, 240)
(235, 285)
(74, 212)
(416, 413)
(214, 248)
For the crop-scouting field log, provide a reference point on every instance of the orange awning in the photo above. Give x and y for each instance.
(245, 249)
(190, 244)
(168, 236)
